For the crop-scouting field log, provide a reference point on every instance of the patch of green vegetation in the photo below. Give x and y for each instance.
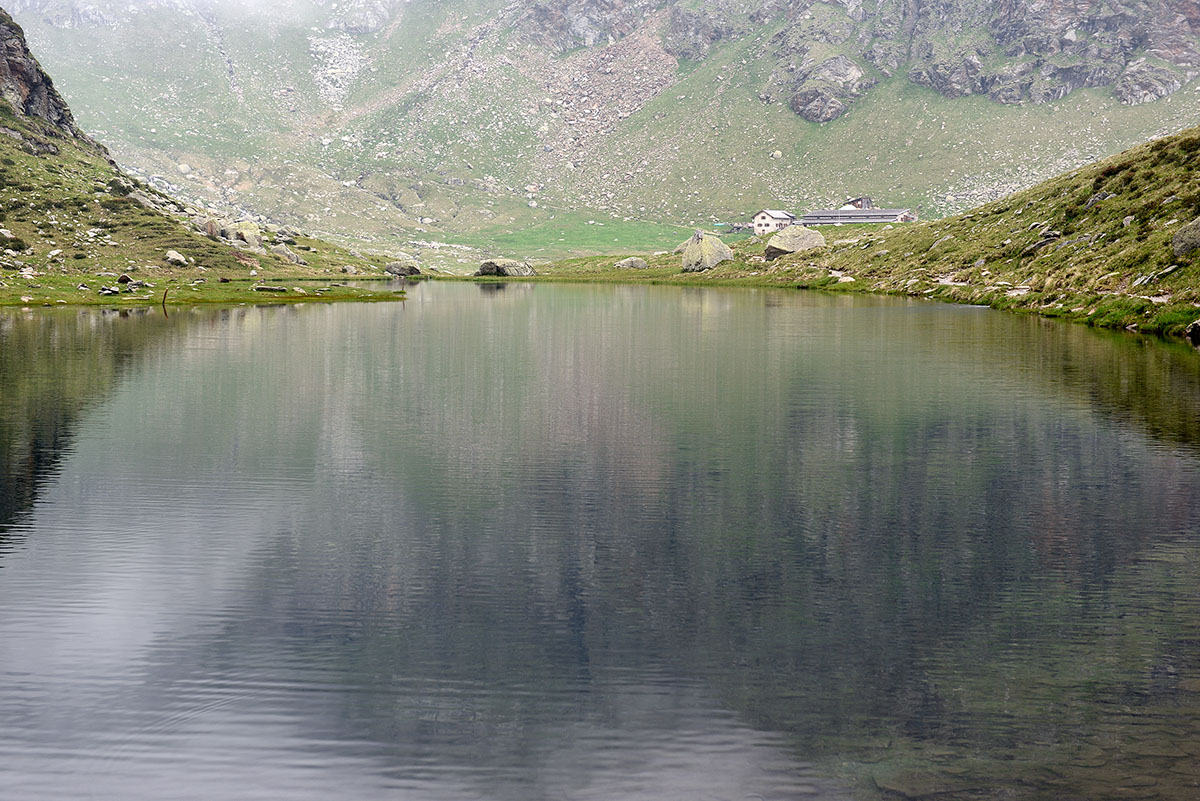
(577, 233)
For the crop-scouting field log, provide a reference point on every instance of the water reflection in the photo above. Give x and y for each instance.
(579, 542)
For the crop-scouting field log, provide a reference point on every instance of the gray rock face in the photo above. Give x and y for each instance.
(506, 267)
(26, 87)
(793, 239)
(691, 34)
(1187, 239)
(632, 263)
(1021, 51)
(703, 252)
(1142, 82)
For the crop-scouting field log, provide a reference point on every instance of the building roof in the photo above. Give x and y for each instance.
(777, 214)
(828, 216)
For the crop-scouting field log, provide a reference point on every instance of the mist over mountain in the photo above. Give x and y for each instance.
(389, 120)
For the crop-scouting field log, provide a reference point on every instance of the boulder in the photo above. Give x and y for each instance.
(1193, 333)
(213, 229)
(1187, 238)
(632, 263)
(793, 239)
(248, 232)
(506, 267)
(403, 266)
(284, 252)
(175, 258)
(703, 252)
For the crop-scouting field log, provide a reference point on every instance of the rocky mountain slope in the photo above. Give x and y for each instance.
(427, 123)
(73, 224)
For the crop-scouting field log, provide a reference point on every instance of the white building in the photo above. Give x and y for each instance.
(770, 220)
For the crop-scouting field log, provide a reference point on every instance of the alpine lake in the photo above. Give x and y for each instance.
(551, 542)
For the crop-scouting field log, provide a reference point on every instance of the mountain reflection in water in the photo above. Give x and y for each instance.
(597, 542)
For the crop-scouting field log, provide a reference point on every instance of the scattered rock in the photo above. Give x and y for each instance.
(793, 239)
(176, 258)
(506, 267)
(124, 279)
(632, 263)
(266, 288)
(703, 252)
(1128, 221)
(349, 269)
(1187, 238)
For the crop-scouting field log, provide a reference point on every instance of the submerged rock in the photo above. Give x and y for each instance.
(506, 267)
(632, 263)
(703, 252)
(1187, 238)
(793, 239)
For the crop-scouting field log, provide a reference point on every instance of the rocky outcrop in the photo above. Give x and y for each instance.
(1018, 51)
(793, 239)
(563, 25)
(363, 16)
(691, 34)
(505, 268)
(1187, 239)
(1143, 82)
(26, 87)
(703, 252)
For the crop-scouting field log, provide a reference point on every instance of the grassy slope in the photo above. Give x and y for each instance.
(1110, 265)
(70, 202)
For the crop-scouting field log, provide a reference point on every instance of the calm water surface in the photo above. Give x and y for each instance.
(555, 542)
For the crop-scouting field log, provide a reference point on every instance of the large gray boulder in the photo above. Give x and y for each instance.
(703, 252)
(506, 268)
(793, 239)
(403, 266)
(1187, 238)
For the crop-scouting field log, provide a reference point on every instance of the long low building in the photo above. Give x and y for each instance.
(857, 216)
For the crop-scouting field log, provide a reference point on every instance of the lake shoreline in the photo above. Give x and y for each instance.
(186, 288)
(1110, 312)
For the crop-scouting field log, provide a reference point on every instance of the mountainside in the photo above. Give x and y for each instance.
(426, 123)
(71, 223)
